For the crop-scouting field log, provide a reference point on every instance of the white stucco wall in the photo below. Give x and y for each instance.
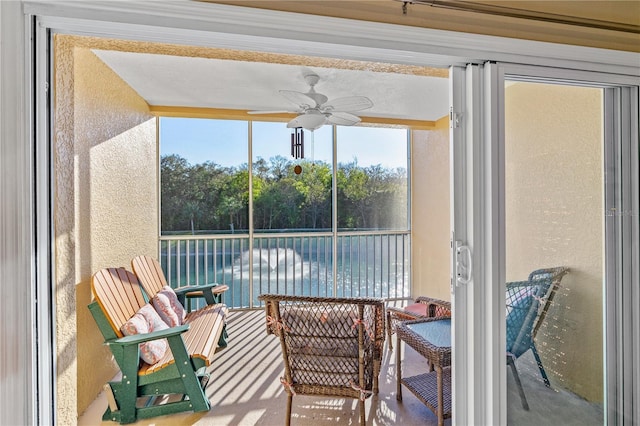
(105, 167)
(430, 212)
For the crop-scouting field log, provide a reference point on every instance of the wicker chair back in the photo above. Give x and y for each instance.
(330, 346)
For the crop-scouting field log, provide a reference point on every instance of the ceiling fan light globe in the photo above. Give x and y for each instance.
(309, 121)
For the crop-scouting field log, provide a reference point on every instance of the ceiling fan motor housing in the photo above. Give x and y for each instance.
(311, 78)
(319, 98)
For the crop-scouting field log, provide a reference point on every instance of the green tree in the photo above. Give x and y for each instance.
(314, 185)
(208, 196)
(173, 181)
(353, 184)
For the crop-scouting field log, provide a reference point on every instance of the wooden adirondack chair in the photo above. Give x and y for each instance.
(182, 370)
(152, 278)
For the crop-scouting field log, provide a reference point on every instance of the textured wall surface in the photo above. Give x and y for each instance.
(430, 218)
(554, 216)
(105, 207)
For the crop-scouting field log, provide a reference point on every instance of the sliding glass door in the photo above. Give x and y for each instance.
(554, 246)
(555, 252)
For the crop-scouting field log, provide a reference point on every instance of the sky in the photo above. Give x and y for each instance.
(224, 142)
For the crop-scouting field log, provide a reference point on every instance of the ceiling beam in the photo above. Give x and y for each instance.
(240, 114)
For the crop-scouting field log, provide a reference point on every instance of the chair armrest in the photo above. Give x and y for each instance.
(141, 338)
(215, 288)
(212, 293)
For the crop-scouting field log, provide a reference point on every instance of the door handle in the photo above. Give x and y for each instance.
(464, 264)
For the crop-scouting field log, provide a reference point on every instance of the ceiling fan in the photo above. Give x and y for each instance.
(315, 110)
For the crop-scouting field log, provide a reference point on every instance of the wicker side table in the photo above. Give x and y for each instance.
(430, 337)
(422, 307)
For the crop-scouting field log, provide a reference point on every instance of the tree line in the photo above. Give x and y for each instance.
(208, 197)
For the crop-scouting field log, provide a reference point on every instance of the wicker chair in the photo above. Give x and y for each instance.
(422, 307)
(527, 306)
(330, 346)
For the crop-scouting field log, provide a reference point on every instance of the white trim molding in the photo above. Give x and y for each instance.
(209, 24)
(18, 339)
(622, 256)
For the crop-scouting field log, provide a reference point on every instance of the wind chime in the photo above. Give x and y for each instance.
(297, 147)
(297, 143)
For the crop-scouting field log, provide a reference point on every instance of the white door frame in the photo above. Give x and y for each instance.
(194, 23)
(476, 179)
(622, 292)
(622, 257)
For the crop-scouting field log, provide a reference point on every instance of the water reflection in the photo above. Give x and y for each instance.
(286, 271)
(275, 261)
(365, 265)
(274, 270)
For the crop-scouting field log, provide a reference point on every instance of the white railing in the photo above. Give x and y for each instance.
(371, 263)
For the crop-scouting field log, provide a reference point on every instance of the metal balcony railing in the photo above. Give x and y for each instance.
(371, 263)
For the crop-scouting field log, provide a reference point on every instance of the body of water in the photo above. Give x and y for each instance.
(366, 266)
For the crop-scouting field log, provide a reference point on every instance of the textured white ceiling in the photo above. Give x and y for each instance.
(165, 80)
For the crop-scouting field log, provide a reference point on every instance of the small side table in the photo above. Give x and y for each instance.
(430, 337)
(423, 307)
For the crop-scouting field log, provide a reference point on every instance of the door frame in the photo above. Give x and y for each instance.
(622, 292)
(197, 24)
(476, 179)
(622, 257)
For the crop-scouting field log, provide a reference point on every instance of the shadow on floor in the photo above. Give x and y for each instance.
(245, 389)
(547, 406)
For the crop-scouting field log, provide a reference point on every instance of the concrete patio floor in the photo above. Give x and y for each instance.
(245, 389)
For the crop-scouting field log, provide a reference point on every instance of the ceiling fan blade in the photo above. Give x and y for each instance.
(350, 103)
(298, 98)
(343, 119)
(272, 112)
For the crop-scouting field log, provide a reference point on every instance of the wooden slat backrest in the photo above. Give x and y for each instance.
(149, 273)
(119, 294)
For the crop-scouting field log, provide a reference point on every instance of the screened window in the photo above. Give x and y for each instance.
(289, 193)
(214, 172)
(204, 179)
(372, 178)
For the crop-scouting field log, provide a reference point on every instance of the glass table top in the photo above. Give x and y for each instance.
(438, 333)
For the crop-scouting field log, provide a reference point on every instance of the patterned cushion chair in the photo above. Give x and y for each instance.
(330, 346)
